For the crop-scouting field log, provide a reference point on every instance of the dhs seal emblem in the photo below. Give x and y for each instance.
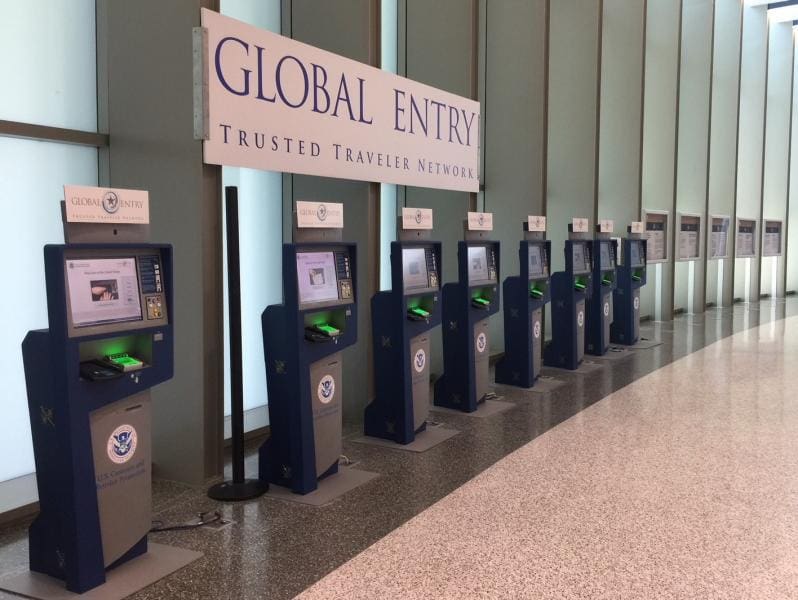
(637, 303)
(122, 444)
(536, 330)
(606, 309)
(481, 219)
(418, 217)
(326, 389)
(110, 202)
(482, 342)
(321, 212)
(419, 360)
(580, 318)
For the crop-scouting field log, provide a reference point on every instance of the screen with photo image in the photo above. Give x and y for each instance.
(535, 258)
(103, 290)
(414, 268)
(477, 264)
(579, 259)
(316, 277)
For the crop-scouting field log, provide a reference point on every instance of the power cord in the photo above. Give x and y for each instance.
(216, 517)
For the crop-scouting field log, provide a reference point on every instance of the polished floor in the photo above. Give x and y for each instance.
(669, 473)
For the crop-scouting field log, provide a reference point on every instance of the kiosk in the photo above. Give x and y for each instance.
(302, 339)
(467, 307)
(569, 292)
(599, 312)
(401, 321)
(109, 341)
(525, 296)
(625, 327)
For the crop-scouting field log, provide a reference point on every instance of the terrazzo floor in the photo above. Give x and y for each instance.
(686, 492)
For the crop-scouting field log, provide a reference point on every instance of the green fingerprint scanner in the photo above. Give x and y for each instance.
(579, 286)
(418, 312)
(606, 281)
(480, 302)
(536, 293)
(124, 362)
(636, 278)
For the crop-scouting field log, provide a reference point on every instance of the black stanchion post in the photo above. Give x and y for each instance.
(240, 488)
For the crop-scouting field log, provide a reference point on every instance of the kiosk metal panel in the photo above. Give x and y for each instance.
(419, 358)
(326, 392)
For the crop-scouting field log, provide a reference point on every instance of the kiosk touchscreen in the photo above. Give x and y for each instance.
(88, 376)
(302, 339)
(525, 296)
(401, 320)
(625, 327)
(599, 303)
(569, 292)
(467, 306)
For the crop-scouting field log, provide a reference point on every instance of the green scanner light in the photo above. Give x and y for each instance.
(419, 311)
(328, 329)
(482, 301)
(579, 286)
(636, 277)
(606, 281)
(536, 293)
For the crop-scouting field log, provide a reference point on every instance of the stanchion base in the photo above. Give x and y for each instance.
(230, 491)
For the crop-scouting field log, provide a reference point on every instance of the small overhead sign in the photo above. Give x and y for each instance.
(416, 218)
(536, 223)
(606, 226)
(480, 221)
(85, 204)
(328, 215)
(579, 225)
(636, 227)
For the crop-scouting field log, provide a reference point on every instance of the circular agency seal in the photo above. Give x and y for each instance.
(326, 389)
(122, 444)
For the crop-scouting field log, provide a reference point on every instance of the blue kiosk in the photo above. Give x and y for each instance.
(569, 292)
(302, 340)
(467, 307)
(401, 321)
(599, 312)
(631, 277)
(525, 296)
(109, 341)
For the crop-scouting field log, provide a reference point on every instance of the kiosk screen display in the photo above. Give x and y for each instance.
(535, 261)
(579, 259)
(478, 264)
(316, 276)
(636, 258)
(103, 290)
(606, 258)
(414, 268)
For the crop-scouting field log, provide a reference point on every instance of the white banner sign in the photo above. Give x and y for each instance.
(579, 225)
(719, 237)
(536, 223)
(480, 221)
(606, 226)
(280, 105)
(106, 205)
(416, 218)
(319, 214)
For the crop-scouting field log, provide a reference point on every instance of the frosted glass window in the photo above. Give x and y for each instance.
(31, 181)
(260, 223)
(388, 210)
(260, 231)
(49, 64)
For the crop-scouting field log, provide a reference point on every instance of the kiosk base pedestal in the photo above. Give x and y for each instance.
(425, 440)
(121, 582)
(488, 408)
(330, 488)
